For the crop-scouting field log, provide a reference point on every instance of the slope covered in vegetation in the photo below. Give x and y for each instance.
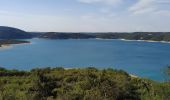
(78, 84)
(13, 33)
(149, 36)
(57, 35)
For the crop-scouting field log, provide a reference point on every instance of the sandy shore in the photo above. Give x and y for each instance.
(9, 46)
(136, 40)
(145, 41)
(5, 46)
(133, 76)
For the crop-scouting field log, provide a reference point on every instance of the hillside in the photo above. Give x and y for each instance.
(153, 36)
(13, 33)
(57, 35)
(78, 84)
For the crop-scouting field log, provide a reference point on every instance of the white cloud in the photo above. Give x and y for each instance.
(149, 6)
(143, 6)
(108, 2)
(144, 11)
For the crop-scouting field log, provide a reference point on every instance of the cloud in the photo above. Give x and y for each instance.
(107, 2)
(148, 6)
(143, 6)
(144, 11)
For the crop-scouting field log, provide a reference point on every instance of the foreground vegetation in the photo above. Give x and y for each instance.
(78, 84)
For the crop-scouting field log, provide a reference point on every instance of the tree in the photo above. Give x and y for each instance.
(167, 72)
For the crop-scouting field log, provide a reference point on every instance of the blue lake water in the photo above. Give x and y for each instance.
(144, 59)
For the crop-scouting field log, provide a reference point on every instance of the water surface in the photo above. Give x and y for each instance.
(145, 59)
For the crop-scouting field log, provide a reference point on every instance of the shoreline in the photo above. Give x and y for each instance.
(131, 75)
(146, 41)
(5, 46)
(135, 40)
(9, 46)
(134, 76)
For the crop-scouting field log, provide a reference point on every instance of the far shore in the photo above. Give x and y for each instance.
(135, 40)
(145, 41)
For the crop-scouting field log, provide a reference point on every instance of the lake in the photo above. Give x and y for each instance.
(144, 59)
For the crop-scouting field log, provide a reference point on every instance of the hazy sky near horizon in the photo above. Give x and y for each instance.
(86, 15)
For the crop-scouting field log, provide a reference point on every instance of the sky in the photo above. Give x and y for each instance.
(86, 15)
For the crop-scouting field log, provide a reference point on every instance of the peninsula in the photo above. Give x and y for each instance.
(9, 42)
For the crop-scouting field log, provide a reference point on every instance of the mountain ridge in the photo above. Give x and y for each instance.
(13, 33)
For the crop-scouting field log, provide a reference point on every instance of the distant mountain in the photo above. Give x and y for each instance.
(13, 33)
(153, 36)
(58, 35)
(36, 34)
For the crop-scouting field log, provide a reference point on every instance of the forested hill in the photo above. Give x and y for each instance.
(13, 33)
(58, 35)
(154, 36)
